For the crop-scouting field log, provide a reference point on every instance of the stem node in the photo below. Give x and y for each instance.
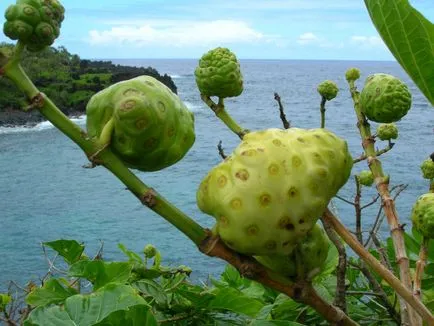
(149, 199)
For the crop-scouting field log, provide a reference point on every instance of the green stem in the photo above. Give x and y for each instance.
(323, 111)
(105, 157)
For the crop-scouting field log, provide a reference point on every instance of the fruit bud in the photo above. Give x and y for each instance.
(150, 251)
(387, 131)
(422, 215)
(328, 90)
(352, 74)
(427, 168)
(366, 178)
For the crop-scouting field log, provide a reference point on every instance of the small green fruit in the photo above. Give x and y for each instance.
(273, 188)
(387, 131)
(427, 168)
(366, 178)
(352, 74)
(218, 74)
(328, 89)
(153, 128)
(423, 215)
(150, 251)
(385, 98)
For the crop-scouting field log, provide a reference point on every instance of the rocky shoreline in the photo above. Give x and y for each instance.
(16, 118)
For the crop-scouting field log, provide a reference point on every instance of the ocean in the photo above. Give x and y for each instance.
(46, 194)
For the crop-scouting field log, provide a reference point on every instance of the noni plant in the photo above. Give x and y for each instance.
(385, 98)
(422, 215)
(328, 89)
(387, 131)
(366, 178)
(35, 23)
(219, 74)
(273, 188)
(145, 123)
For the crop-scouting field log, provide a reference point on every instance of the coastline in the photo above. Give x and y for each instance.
(11, 118)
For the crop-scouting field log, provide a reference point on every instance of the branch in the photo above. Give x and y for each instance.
(382, 271)
(221, 151)
(286, 123)
(420, 266)
(358, 210)
(377, 153)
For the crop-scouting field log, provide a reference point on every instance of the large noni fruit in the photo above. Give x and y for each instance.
(385, 98)
(153, 128)
(273, 188)
(310, 254)
(422, 215)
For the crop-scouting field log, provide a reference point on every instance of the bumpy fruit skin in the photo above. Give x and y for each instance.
(328, 89)
(385, 98)
(311, 253)
(422, 215)
(218, 74)
(149, 251)
(35, 23)
(387, 131)
(352, 74)
(427, 168)
(273, 188)
(366, 178)
(153, 129)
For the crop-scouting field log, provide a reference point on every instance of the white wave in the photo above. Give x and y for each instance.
(176, 76)
(193, 107)
(45, 125)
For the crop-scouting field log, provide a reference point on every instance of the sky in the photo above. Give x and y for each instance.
(253, 29)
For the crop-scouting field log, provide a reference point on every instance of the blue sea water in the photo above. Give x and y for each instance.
(46, 194)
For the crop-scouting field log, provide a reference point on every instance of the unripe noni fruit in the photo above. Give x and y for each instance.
(366, 178)
(387, 131)
(427, 168)
(385, 98)
(218, 74)
(35, 23)
(273, 188)
(328, 89)
(352, 74)
(153, 128)
(422, 215)
(311, 254)
(149, 251)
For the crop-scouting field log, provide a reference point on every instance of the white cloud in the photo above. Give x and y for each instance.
(307, 38)
(177, 33)
(367, 42)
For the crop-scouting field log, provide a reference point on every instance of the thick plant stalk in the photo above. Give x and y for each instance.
(302, 292)
(420, 267)
(382, 182)
(381, 270)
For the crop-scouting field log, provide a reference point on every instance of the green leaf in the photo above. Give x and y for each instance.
(232, 276)
(233, 300)
(274, 323)
(101, 273)
(86, 310)
(130, 254)
(135, 316)
(152, 289)
(410, 38)
(52, 292)
(70, 250)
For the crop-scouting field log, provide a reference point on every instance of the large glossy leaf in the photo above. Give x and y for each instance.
(410, 38)
(87, 310)
(52, 292)
(135, 316)
(233, 300)
(70, 250)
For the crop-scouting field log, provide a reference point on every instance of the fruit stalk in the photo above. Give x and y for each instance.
(103, 156)
(382, 182)
(420, 266)
(323, 111)
(382, 271)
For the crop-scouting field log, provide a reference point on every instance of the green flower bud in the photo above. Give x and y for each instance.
(273, 188)
(427, 168)
(422, 215)
(35, 23)
(387, 131)
(150, 251)
(153, 128)
(218, 74)
(352, 74)
(366, 178)
(385, 98)
(328, 90)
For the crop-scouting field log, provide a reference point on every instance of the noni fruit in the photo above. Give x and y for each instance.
(35, 23)
(387, 131)
(352, 74)
(218, 74)
(310, 254)
(366, 178)
(427, 168)
(328, 89)
(422, 215)
(153, 128)
(385, 98)
(273, 188)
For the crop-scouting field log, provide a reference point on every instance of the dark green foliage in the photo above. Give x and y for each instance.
(67, 80)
